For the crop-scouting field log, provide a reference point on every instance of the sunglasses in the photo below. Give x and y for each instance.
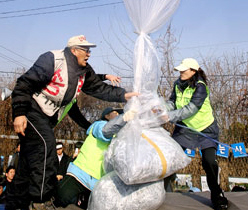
(84, 49)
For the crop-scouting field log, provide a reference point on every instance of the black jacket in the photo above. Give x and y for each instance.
(41, 73)
(63, 165)
(14, 160)
(198, 97)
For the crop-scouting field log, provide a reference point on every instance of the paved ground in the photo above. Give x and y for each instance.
(195, 201)
(191, 201)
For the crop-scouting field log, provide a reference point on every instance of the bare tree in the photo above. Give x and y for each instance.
(166, 45)
(124, 53)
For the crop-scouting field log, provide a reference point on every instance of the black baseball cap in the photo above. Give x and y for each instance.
(109, 110)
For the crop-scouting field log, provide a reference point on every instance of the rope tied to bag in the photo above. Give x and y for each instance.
(160, 154)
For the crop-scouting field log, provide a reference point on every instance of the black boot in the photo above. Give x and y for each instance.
(220, 202)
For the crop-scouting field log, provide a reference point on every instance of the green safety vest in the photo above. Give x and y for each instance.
(90, 158)
(204, 117)
(66, 110)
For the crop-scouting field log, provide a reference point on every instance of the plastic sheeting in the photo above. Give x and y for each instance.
(144, 155)
(110, 193)
(147, 17)
(143, 152)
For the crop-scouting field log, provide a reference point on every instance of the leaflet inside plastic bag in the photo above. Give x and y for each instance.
(111, 193)
(143, 151)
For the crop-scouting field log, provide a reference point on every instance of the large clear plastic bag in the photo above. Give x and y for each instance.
(110, 193)
(140, 155)
(147, 17)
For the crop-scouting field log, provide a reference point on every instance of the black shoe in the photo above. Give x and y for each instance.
(220, 202)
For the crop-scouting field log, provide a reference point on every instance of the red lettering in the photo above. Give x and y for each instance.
(81, 82)
(55, 84)
(52, 92)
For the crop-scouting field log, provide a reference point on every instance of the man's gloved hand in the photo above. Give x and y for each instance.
(129, 115)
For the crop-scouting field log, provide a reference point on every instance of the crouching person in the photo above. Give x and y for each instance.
(84, 172)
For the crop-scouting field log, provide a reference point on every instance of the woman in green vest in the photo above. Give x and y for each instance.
(189, 106)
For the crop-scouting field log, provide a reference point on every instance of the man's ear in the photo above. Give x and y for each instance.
(73, 51)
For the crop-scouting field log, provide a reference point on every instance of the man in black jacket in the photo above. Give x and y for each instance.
(63, 160)
(41, 98)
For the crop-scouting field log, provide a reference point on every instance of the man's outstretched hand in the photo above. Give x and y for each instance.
(115, 80)
(130, 95)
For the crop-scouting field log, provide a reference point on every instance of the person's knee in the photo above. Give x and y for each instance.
(210, 161)
(210, 164)
(209, 158)
(62, 199)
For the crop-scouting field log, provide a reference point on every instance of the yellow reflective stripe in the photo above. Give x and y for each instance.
(161, 155)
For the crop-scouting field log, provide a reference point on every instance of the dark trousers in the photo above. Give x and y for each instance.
(35, 178)
(190, 139)
(70, 191)
(210, 165)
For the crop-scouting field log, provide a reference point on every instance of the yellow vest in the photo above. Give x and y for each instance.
(90, 158)
(204, 117)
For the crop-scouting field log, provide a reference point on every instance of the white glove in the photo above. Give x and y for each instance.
(129, 115)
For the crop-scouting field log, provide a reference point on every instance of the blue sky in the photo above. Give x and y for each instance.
(206, 27)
